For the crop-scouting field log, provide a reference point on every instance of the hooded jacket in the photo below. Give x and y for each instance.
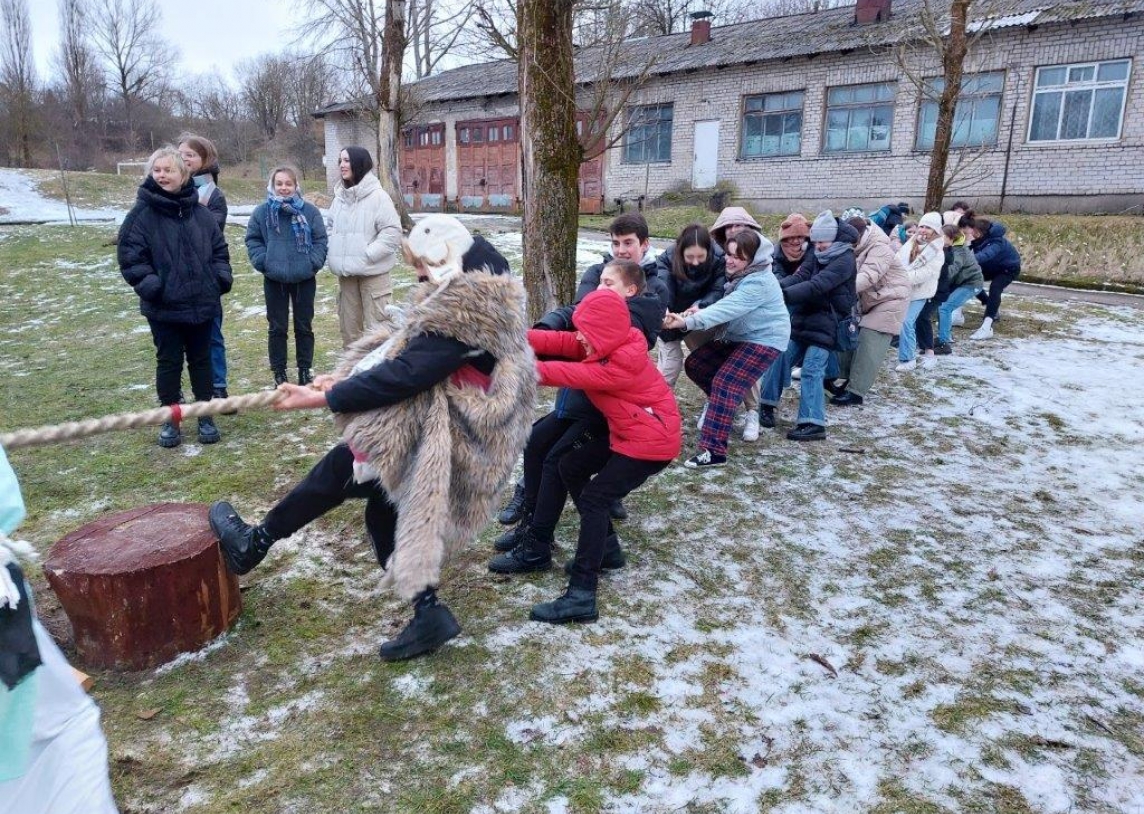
(925, 270)
(703, 284)
(821, 295)
(753, 312)
(275, 253)
(882, 286)
(173, 254)
(590, 280)
(619, 378)
(964, 270)
(995, 254)
(364, 230)
(783, 267)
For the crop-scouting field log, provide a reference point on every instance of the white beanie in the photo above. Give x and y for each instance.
(932, 220)
(439, 241)
(825, 228)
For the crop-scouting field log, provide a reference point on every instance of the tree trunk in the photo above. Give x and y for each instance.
(389, 96)
(551, 153)
(953, 63)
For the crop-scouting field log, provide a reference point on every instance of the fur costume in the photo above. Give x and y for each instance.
(443, 455)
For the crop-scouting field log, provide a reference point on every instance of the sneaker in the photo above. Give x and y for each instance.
(929, 361)
(832, 387)
(514, 510)
(513, 537)
(243, 545)
(524, 559)
(169, 435)
(574, 605)
(943, 349)
(957, 317)
(702, 416)
(221, 393)
(985, 331)
(904, 367)
(751, 427)
(432, 625)
(208, 432)
(807, 432)
(767, 416)
(847, 399)
(796, 373)
(704, 460)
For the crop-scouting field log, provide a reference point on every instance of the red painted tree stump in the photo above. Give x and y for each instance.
(144, 585)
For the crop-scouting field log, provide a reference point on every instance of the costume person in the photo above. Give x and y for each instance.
(434, 408)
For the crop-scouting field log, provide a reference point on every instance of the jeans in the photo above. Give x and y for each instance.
(544, 492)
(957, 298)
(218, 354)
(726, 372)
(907, 339)
(596, 476)
(280, 297)
(812, 399)
(174, 341)
(997, 283)
(860, 366)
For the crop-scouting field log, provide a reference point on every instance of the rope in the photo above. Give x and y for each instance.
(71, 430)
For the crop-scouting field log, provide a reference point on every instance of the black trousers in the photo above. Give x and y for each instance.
(923, 326)
(992, 301)
(595, 476)
(280, 297)
(544, 491)
(328, 485)
(175, 341)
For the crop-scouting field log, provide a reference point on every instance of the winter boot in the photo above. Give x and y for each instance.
(243, 545)
(169, 435)
(531, 554)
(614, 558)
(574, 605)
(432, 625)
(208, 432)
(617, 511)
(943, 349)
(833, 388)
(512, 513)
(305, 376)
(280, 377)
(767, 416)
(514, 536)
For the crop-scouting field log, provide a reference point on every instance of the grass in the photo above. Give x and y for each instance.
(696, 687)
(102, 190)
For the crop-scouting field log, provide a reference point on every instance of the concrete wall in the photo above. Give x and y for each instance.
(345, 130)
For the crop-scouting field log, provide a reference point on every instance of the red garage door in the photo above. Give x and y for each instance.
(422, 161)
(591, 179)
(488, 162)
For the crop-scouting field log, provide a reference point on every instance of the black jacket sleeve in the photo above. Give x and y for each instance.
(427, 360)
(589, 282)
(216, 205)
(135, 262)
(558, 319)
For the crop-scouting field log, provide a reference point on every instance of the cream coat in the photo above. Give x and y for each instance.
(364, 230)
(444, 455)
(925, 271)
(883, 288)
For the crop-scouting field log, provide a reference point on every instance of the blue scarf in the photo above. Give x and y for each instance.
(292, 206)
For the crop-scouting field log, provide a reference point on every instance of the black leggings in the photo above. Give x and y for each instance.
(544, 491)
(174, 341)
(997, 283)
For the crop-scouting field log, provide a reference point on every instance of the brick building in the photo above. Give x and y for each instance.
(816, 109)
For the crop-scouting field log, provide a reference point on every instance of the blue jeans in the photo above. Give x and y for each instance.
(812, 400)
(218, 354)
(908, 338)
(957, 298)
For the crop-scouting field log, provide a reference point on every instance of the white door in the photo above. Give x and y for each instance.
(704, 170)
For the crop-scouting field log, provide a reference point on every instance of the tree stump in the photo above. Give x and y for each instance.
(144, 585)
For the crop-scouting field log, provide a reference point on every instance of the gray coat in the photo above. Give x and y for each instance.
(275, 254)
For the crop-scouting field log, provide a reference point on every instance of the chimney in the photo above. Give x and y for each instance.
(700, 27)
(871, 11)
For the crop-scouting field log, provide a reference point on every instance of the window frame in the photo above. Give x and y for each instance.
(1093, 85)
(923, 100)
(891, 103)
(762, 114)
(631, 112)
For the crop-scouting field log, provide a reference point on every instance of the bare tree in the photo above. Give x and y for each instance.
(77, 62)
(125, 34)
(18, 75)
(368, 38)
(435, 27)
(308, 86)
(652, 18)
(262, 83)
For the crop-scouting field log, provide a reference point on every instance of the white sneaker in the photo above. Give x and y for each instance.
(985, 331)
(796, 373)
(702, 415)
(751, 427)
(929, 361)
(957, 317)
(905, 366)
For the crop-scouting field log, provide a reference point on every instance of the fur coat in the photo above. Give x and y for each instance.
(443, 455)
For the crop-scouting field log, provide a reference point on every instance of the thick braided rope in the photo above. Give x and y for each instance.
(57, 433)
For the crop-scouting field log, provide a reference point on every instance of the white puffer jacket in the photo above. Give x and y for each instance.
(925, 271)
(364, 229)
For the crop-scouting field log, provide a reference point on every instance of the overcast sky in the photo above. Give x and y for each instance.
(209, 33)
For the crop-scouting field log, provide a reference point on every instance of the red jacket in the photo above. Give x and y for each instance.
(619, 378)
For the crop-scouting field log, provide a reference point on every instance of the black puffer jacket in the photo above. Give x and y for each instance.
(782, 267)
(820, 296)
(703, 286)
(173, 254)
(590, 280)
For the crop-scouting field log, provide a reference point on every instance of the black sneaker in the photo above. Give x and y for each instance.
(243, 545)
(767, 416)
(614, 558)
(169, 436)
(529, 556)
(807, 432)
(432, 625)
(221, 393)
(617, 511)
(208, 432)
(705, 460)
(833, 388)
(514, 510)
(513, 537)
(943, 349)
(847, 399)
(574, 605)
(305, 376)
(280, 377)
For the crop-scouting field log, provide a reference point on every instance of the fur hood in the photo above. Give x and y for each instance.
(444, 455)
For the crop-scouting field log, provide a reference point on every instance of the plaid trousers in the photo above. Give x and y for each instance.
(725, 371)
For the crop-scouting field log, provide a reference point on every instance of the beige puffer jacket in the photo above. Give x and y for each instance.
(364, 229)
(924, 272)
(883, 288)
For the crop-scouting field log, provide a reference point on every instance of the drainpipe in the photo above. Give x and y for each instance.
(1009, 146)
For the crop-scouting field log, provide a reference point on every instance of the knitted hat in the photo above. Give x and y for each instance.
(825, 228)
(852, 212)
(439, 242)
(795, 225)
(903, 208)
(951, 218)
(932, 220)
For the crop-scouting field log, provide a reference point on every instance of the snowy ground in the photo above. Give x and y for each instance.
(20, 196)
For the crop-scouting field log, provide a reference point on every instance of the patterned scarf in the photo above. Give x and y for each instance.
(292, 206)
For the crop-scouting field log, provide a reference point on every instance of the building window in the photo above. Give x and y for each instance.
(424, 138)
(463, 135)
(648, 137)
(435, 137)
(859, 117)
(1074, 102)
(508, 133)
(494, 133)
(408, 136)
(974, 118)
(772, 125)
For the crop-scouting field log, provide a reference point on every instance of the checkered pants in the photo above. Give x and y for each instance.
(725, 371)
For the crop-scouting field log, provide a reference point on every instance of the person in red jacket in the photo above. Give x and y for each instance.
(606, 358)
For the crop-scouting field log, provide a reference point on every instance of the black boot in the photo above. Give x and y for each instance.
(221, 393)
(431, 626)
(514, 536)
(280, 377)
(531, 554)
(833, 388)
(305, 376)
(614, 558)
(243, 545)
(575, 605)
(514, 510)
(807, 432)
(767, 416)
(169, 435)
(208, 432)
(847, 399)
(617, 511)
